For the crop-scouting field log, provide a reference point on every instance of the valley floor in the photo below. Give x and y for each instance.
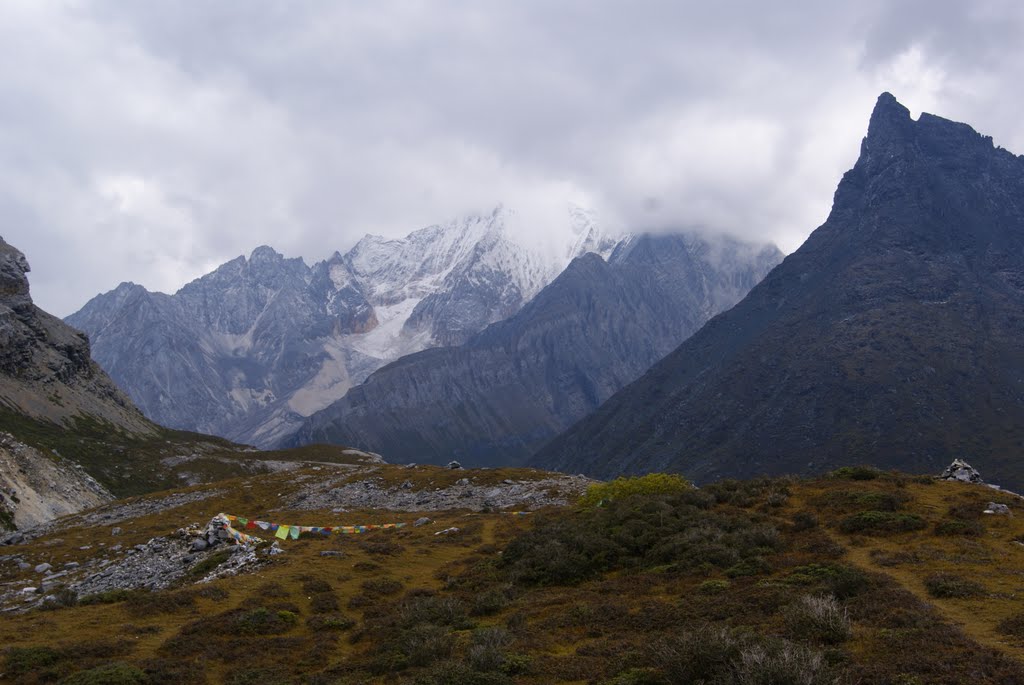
(859, 577)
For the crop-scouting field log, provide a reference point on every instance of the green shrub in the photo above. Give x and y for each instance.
(843, 499)
(835, 579)
(491, 601)
(713, 587)
(950, 585)
(675, 531)
(855, 473)
(881, 523)
(116, 673)
(335, 621)
(627, 486)
(955, 527)
(107, 597)
(748, 567)
(21, 660)
(211, 562)
(638, 676)
(263, 621)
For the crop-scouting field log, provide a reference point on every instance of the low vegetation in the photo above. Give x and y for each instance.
(861, 576)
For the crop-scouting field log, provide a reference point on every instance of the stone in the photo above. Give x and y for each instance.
(14, 538)
(332, 553)
(275, 549)
(72, 564)
(447, 531)
(454, 465)
(961, 471)
(198, 545)
(24, 566)
(422, 521)
(115, 531)
(43, 568)
(997, 509)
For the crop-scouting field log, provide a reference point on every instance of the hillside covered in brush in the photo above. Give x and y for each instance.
(861, 576)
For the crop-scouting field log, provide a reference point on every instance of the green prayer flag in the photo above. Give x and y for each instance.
(295, 532)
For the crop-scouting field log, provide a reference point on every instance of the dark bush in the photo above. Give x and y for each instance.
(116, 673)
(324, 603)
(382, 586)
(211, 562)
(21, 660)
(855, 473)
(312, 586)
(881, 523)
(804, 520)
(950, 585)
(1014, 626)
(835, 579)
(954, 527)
(334, 621)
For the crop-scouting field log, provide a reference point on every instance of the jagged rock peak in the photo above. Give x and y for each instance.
(14, 291)
(892, 132)
(265, 253)
(890, 120)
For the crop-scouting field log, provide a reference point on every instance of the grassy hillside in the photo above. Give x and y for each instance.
(132, 464)
(859, 577)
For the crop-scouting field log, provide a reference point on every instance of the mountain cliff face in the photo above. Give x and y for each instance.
(892, 336)
(510, 388)
(46, 371)
(249, 351)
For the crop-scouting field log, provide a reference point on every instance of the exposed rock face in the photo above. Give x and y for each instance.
(45, 368)
(519, 382)
(250, 350)
(37, 487)
(891, 337)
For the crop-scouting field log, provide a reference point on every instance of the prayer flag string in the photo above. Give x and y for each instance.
(284, 531)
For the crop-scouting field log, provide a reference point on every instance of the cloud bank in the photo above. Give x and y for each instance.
(153, 141)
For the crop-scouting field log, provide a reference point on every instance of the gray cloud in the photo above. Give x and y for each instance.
(153, 141)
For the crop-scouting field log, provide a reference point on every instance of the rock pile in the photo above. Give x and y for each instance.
(374, 493)
(961, 471)
(157, 564)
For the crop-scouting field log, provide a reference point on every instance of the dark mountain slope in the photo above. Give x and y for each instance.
(46, 372)
(892, 336)
(510, 388)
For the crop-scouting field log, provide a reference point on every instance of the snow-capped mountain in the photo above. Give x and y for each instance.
(251, 349)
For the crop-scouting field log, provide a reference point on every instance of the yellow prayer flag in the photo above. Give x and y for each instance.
(282, 532)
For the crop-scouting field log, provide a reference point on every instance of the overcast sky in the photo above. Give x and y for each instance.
(151, 141)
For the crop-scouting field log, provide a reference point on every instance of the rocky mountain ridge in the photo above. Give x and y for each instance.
(507, 390)
(251, 349)
(46, 371)
(890, 337)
